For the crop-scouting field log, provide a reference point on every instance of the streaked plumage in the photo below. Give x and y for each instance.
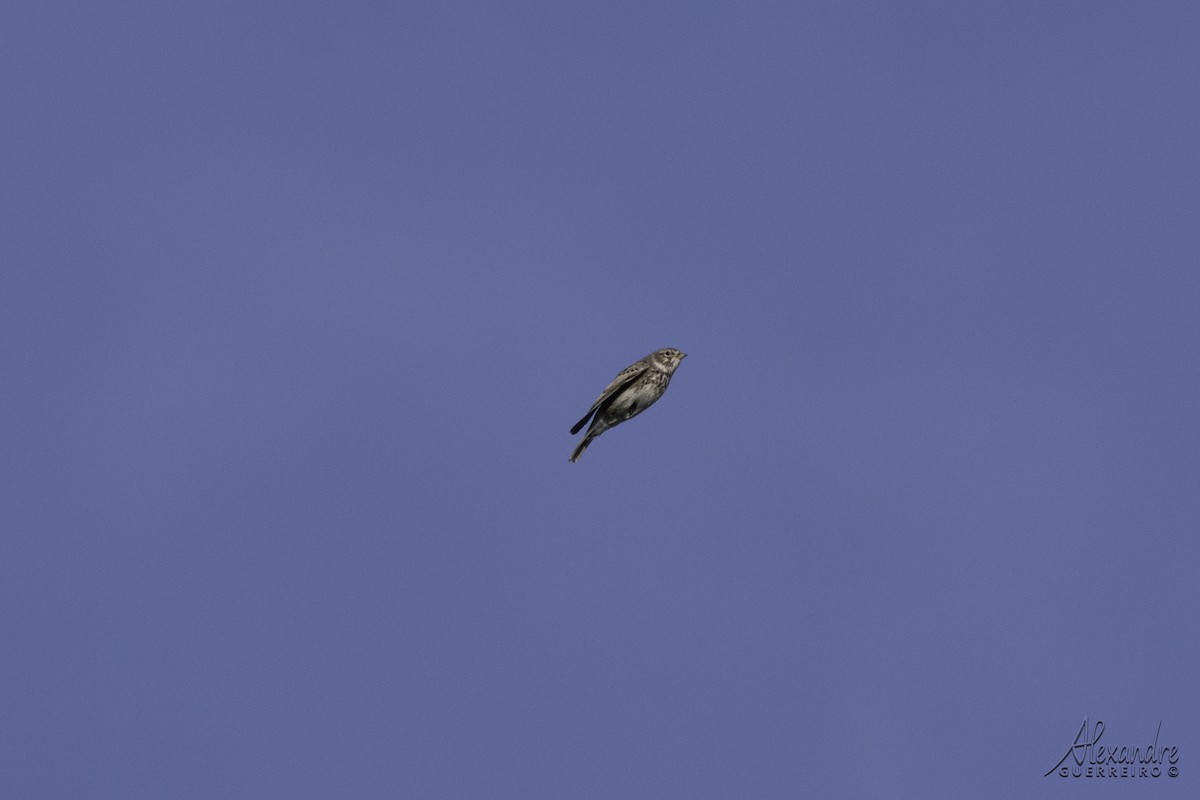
(633, 391)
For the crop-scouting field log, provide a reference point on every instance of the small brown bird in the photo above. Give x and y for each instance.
(633, 391)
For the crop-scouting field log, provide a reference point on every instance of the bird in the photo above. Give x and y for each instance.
(633, 391)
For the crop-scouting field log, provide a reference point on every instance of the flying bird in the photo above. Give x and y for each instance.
(633, 391)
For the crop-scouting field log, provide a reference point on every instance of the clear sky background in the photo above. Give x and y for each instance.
(299, 302)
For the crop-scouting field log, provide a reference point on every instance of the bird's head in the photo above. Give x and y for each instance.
(669, 357)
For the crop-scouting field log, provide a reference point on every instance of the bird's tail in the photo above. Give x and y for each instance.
(587, 439)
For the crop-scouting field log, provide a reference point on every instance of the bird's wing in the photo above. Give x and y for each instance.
(623, 379)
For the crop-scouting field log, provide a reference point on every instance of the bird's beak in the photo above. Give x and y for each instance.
(682, 356)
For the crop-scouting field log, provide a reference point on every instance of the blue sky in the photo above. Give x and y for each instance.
(300, 302)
